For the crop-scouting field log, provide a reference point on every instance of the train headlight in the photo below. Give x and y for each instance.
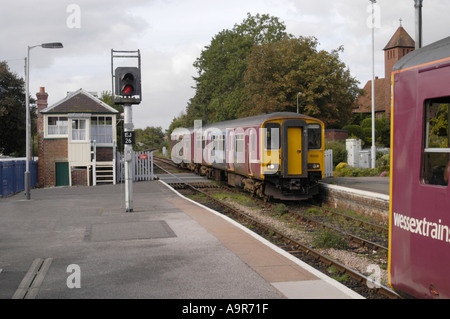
(272, 166)
(314, 166)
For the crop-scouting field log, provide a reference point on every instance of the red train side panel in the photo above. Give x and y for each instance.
(419, 254)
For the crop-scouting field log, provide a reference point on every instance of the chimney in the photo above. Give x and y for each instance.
(41, 105)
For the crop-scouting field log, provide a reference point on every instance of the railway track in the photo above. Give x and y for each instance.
(352, 228)
(296, 248)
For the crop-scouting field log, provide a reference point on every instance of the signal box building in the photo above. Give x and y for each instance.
(76, 140)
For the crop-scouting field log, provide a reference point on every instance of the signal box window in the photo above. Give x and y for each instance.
(102, 129)
(57, 125)
(436, 152)
(79, 130)
(273, 136)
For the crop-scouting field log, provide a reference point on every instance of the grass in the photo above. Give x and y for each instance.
(335, 274)
(242, 199)
(280, 209)
(326, 238)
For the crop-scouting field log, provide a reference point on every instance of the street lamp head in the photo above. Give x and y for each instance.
(53, 45)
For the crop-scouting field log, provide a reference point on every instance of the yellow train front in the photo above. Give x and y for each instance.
(277, 155)
(293, 162)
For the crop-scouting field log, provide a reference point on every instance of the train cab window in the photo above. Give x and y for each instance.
(436, 150)
(314, 136)
(273, 137)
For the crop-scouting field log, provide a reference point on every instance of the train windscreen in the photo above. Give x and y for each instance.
(314, 136)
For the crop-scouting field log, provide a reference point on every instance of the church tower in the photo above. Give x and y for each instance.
(399, 46)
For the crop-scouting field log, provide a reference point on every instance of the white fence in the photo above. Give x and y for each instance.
(329, 163)
(142, 166)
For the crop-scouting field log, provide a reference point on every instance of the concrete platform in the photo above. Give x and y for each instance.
(185, 177)
(364, 195)
(168, 248)
(377, 185)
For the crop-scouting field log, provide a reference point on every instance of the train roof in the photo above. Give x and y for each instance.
(253, 120)
(256, 120)
(434, 52)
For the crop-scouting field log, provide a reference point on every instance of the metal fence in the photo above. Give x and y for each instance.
(142, 166)
(12, 176)
(329, 163)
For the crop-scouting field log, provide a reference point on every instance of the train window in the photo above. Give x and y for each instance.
(240, 143)
(436, 153)
(198, 141)
(218, 143)
(273, 136)
(314, 136)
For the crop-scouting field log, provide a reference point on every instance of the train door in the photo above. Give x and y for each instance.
(295, 150)
(252, 150)
(230, 142)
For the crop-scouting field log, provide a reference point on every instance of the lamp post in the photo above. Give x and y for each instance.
(418, 4)
(373, 86)
(53, 45)
(299, 93)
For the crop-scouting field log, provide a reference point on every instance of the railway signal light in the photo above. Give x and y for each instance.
(128, 82)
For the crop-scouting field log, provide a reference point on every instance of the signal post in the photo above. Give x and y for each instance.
(126, 83)
(128, 141)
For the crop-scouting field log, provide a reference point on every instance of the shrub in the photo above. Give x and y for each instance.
(354, 131)
(343, 170)
(339, 151)
(341, 166)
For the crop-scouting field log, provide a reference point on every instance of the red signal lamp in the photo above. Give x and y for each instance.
(128, 89)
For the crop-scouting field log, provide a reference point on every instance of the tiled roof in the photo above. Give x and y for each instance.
(364, 102)
(80, 102)
(401, 39)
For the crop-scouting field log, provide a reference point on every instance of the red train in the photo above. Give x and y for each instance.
(278, 155)
(419, 254)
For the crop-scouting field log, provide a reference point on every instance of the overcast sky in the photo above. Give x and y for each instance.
(171, 34)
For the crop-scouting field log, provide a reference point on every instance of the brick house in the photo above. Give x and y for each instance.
(399, 45)
(76, 140)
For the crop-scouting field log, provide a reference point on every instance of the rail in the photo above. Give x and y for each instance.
(291, 245)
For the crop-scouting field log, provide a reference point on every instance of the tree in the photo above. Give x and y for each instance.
(12, 113)
(276, 72)
(221, 67)
(148, 138)
(177, 122)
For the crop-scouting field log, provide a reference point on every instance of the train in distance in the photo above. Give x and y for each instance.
(277, 155)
